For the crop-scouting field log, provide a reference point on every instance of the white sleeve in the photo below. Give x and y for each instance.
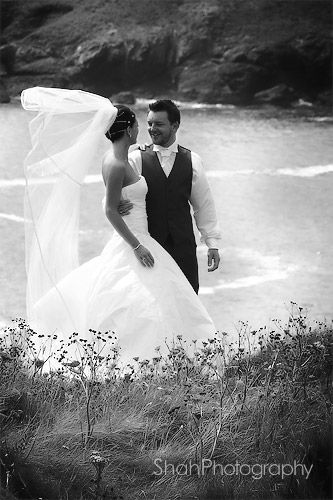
(203, 205)
(135, 160)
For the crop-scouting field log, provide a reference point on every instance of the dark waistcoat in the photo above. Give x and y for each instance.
(167, 200)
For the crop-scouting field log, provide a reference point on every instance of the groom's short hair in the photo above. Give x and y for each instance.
(168, 106)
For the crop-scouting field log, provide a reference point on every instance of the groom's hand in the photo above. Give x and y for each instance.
(124, 207)
(213, 259)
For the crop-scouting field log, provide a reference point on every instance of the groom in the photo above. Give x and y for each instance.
(176, 179)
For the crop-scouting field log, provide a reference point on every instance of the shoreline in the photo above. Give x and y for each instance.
(299, 110)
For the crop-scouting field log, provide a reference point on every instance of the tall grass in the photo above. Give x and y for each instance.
(243, 419)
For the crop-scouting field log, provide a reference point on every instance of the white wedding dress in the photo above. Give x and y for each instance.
(143, 306)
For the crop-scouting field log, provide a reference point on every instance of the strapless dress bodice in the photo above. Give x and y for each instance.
(136, 220)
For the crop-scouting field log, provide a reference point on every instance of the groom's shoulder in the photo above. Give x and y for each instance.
(188, 152)
(182, 148)
(192, 155)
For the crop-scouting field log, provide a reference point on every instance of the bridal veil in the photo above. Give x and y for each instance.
(67, 138)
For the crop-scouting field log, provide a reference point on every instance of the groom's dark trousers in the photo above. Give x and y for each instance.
(168, 209)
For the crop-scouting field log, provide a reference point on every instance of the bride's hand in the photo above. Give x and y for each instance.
(144, 256)
(141, 147)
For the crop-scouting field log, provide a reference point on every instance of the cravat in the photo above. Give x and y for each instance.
(165, 151)
(165, 159)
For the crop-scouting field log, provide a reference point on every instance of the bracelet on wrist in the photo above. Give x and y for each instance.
(139, 245)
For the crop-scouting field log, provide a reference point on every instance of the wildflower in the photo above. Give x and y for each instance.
(174, 351)
(72, 364)
(97, 461)
(240, 384)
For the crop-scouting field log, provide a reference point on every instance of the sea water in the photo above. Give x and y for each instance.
(271, 174)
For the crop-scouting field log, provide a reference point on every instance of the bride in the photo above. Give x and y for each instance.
(133, 288)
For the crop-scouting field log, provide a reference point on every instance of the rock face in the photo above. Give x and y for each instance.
(207, 51)
(280, 95)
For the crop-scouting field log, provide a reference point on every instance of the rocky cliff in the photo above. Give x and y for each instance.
(215, 51)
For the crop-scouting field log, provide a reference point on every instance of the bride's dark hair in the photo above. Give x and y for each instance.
(125, 118)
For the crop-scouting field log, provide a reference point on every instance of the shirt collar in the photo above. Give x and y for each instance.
(173, 147)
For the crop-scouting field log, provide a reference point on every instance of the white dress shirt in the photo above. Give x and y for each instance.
(201, 197)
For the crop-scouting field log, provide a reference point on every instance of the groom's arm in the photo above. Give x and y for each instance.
(204, 210)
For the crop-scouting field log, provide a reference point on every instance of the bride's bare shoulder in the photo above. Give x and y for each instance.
(110, 162)
(110, 159)
(112, 166)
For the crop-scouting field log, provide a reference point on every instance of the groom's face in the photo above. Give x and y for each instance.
(161, 131)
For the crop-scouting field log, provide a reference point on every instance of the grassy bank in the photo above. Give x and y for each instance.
(249, 419)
